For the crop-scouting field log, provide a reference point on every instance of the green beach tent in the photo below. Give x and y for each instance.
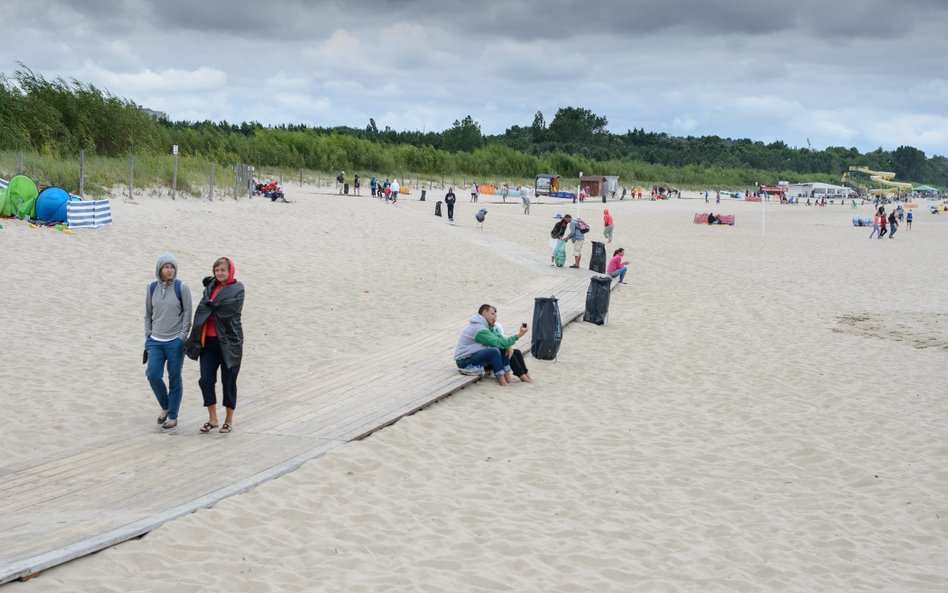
(6, 206)
(22, 194)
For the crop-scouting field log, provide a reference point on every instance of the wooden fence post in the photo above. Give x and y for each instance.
(211, 192)
(82, 174)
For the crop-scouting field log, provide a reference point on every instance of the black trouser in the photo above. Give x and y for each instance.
(450, 211)
(211, 359)
(517, 365)
(882, 231)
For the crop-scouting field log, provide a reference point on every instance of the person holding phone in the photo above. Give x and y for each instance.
(480, 347)
(518, 366)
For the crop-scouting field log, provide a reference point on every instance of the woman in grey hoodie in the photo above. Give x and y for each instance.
(167, 323)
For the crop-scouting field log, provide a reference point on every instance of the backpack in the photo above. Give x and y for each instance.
(555, 233)
(177, 291)
(582, 226)
(340, 178)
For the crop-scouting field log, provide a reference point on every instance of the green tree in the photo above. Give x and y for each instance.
(464, 135)
(909, 163)
(576, 126)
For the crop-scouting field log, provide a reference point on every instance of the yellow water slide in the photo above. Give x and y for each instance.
(880, 177)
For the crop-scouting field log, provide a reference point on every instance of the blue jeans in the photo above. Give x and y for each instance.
(620, 273)
(160, 354)
(497, 359)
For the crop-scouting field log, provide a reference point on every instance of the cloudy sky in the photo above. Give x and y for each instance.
(863, 73)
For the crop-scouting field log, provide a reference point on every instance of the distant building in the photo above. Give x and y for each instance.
(818, 190)
(153, 113)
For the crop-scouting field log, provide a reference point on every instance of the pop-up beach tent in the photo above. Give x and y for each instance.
(51, 204)
(6, 207)
(22, 194)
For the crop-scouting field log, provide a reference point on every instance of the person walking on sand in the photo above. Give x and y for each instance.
(883, 219)
(577, 237)
(875, 223)
(395, 188)
(356, 184)
(217, 340)
(449, 200)
(340, 179)
(908, 220)
(557, 234)
(167, 322)
(479, 347)
(893, 224)
(474, 192)
(608, 225)
(524, 199)
(617, 267)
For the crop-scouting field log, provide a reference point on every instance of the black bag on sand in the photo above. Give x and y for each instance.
(597, 262)
(438, 208)
(345, 188)
(547, 330)
(597, 299)
(423, 193)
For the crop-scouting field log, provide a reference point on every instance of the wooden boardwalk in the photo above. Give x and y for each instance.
(53, 510)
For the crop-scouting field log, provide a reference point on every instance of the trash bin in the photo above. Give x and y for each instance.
(597, 261)
(438, 208)
(547, 331)
(597, 299)
(345, 188)
(424, 192)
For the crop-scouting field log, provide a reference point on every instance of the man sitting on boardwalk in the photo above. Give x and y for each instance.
(478, 346)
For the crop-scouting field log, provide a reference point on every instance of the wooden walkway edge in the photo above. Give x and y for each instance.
(53, 510)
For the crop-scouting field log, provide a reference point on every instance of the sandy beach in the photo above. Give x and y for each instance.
(758, 413)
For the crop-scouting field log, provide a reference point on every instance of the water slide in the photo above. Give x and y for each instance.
(881, 177)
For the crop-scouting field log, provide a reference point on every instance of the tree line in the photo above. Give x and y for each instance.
(60, 117)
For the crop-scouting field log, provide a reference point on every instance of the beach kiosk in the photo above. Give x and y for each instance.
(546, 183)
(593, 185)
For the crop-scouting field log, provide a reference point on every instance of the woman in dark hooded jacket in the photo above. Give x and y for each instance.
(217, 340)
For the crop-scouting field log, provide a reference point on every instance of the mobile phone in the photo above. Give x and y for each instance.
(524, 326)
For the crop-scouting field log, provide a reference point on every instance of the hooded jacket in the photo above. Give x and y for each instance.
(167, 318)
(607, 218)
(224, 302)
(478, 336)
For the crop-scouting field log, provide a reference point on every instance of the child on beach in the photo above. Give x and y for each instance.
(217, 340)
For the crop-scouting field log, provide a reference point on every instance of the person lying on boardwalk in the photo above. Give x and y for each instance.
(479, 346)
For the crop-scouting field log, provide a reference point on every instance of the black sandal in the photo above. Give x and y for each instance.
(226, 428)
(207, 427)
(161, 419)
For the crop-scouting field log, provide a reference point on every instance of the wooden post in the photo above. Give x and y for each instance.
(19, 162)
(131, 174)
(174, 178)
(236, 181)
(301, 178)
(210, 195)
(82, 174)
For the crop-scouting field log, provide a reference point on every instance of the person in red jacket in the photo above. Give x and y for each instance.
(217, 340)
(608, 224)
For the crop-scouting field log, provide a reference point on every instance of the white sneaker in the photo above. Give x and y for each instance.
(472, 370)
